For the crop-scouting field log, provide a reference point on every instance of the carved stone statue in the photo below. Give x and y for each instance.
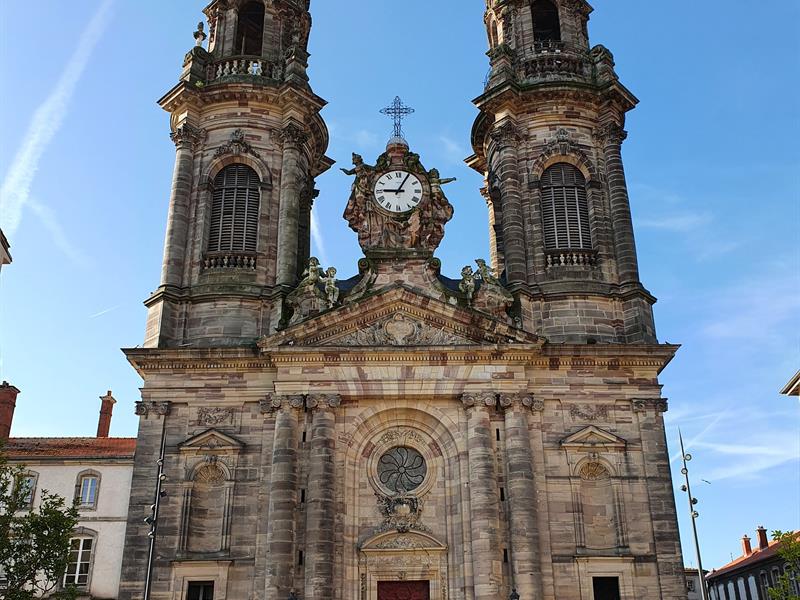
(331, 290)
(467, 285)
(491, 298)
(307, 299)
(200, 35)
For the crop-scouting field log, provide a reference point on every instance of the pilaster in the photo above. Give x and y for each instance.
(320, 507)
(283, 497)
(294, 180)
(487, 564)
(523, 496)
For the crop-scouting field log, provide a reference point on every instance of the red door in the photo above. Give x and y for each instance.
(404, 590)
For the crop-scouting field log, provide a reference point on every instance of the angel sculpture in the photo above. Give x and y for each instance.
(331, 290)
(467, 285)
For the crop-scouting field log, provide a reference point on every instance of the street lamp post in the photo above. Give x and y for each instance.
(686, 487)
(152, 520)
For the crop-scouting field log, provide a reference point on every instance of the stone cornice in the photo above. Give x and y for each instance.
(549, 356)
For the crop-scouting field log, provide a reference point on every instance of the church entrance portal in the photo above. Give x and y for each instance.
(404, 590)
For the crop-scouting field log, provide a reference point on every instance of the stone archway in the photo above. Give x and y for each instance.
(394, 557)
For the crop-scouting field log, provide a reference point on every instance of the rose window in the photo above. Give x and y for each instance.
(402, 469)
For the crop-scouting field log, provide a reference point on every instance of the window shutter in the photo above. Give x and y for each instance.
(235, 210)
(565, 209)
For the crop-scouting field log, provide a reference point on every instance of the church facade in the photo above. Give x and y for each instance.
(399, 434)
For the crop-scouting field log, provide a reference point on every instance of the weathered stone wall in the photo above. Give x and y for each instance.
(506, 440)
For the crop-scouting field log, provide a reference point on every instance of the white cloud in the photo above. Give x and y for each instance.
(46, 121)
(452, 149)
(761, 309)
(62, 241)
(317, 241)
(678, 223)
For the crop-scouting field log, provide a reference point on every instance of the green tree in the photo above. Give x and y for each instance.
(34, 544)
(789, 550)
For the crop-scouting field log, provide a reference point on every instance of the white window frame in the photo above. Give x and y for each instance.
(79, 483)
(83, 536)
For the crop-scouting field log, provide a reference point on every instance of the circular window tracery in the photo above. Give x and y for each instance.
(402, 469)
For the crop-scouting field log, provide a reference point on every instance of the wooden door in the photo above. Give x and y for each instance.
(404, 590)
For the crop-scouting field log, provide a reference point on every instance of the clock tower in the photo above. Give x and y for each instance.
(250, 143)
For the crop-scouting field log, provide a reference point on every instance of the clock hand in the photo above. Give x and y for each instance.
(402, 185)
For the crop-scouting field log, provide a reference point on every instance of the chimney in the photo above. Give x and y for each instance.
(747, 549)
(8, 402)
(106, 408)
(763, 542)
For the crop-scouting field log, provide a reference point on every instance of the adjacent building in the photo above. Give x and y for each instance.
(96, 473)
(750, 576)
(401, 434)
(5, 255)
(793, 387)
(693, 583)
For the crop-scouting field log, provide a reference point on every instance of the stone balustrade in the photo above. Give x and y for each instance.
(571, 258)
(243, 67)
(229, 260)
(554, 60)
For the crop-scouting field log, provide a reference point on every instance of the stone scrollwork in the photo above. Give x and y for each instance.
(401, 330)
(400, 513)
(188, 134)
(506, 134)
(275, 402)
(212, 417)
(589, 413)
(479, 399)
(144, 409)
(237, 145)
(610, 134)
(524, 400)
(323, 401)
(293, 134)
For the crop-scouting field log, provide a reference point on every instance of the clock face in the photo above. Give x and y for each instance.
(398, 191)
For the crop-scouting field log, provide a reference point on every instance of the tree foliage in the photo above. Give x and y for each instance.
(34, 543)
(789, 550)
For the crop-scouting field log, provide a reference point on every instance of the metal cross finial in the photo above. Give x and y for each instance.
(397, 111)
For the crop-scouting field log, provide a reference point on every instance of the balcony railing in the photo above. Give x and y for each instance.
(571, 258)
(230, 260)
(244, 68)
(554, 60)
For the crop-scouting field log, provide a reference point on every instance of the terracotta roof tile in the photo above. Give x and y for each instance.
(19, 448)
(746, 561)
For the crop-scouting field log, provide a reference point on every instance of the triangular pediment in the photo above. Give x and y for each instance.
(211, 440)
(399, 316)
(593, 438)
(403, 541)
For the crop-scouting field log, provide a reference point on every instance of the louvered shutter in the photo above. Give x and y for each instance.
(235, 210)
(565, 210)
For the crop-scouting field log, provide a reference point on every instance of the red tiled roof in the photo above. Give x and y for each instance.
(746, 561)
(18, 448)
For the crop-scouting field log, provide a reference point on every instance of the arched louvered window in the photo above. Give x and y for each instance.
(250, 30)
(546, 23)
(235, 210)
(565, 210)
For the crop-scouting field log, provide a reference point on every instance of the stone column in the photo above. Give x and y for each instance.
(525, 560)
(612, 136)
(185, 138)
(294, 180)
(506, 170)
(283, 498)
(487, 563)
(320, 508)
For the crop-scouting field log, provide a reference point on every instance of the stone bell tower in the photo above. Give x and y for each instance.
(250, 143)
(548, 140)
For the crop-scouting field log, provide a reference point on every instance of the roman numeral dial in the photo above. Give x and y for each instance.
(398, 191)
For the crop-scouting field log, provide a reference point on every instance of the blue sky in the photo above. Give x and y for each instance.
(711, 158)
